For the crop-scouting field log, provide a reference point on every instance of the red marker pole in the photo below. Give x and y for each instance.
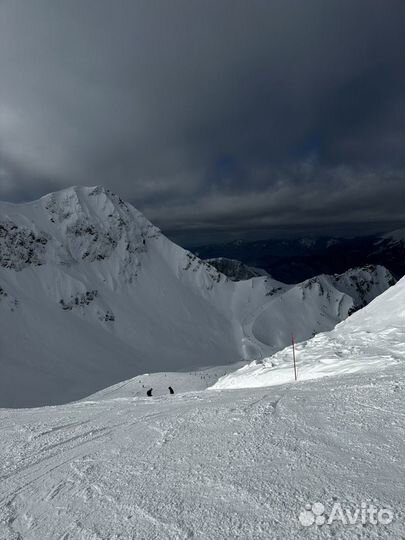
(295, 365)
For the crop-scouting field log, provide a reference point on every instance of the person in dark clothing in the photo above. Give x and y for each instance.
(171, 390)
(149, 392)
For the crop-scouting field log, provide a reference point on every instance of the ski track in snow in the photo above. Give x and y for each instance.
(205, 465)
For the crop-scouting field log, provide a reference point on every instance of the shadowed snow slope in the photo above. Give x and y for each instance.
(91, 293)
(371, 338)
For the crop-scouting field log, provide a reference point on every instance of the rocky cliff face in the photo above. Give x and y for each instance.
(235, 270)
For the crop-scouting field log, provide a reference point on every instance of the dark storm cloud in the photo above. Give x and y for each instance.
(216, 115)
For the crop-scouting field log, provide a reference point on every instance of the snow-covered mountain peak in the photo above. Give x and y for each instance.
(77, 224)
(394, 237)
(360, 284)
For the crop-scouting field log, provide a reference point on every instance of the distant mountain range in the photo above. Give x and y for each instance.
(292, 261)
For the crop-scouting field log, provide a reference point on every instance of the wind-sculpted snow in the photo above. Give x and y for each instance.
(93, 293)
(372, 338)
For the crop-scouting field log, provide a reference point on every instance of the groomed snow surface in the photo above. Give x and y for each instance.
(206, 465)
(221, 463)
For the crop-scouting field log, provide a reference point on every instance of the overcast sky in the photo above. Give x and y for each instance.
(216, 118)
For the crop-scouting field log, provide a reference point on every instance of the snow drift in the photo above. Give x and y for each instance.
(371, 338)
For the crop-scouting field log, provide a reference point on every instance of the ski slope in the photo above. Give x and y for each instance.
(238, 464)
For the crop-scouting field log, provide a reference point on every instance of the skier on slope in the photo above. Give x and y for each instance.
(171, 390)
(149, 392)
